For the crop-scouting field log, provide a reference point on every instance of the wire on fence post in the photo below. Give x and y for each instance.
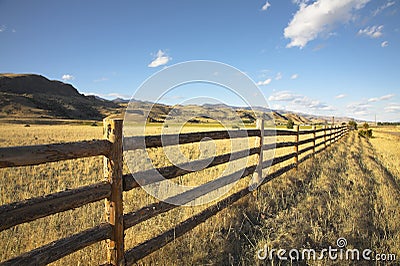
(296, 147)
(114, 205)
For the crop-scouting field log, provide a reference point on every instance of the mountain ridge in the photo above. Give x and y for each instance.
(35, 96)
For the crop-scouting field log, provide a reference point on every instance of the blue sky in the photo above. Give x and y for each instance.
(328, 57)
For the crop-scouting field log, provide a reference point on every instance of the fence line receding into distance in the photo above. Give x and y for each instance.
(111, 189)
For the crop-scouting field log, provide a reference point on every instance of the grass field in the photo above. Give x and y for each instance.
(350, 190)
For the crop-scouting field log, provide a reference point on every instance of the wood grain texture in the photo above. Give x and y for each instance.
(152, 210)
(62, 247)
(155, 141)
(152, 176)
(113, 204)
(151, 245)
(35, 208)
(39, 154)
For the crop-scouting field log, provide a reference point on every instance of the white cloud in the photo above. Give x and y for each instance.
(278, 76)
(294, 76)
(319, 17)
(382, 98)
(67, 77)
(381, 8)
(373, 32)
(298, 2)
(286, 96)
(384, 44)
(299, 102)
(265, 82)
(2, 28)
(161, 59)
(340, 96)
(109, 96)
(392, 108)
(265, 6)
(359, 108)
(386, 97)
(101, 79)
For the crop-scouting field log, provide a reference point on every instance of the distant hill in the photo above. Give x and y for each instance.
(34, 96)
(31, 96)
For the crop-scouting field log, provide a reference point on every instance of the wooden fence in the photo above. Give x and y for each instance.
(111, 189)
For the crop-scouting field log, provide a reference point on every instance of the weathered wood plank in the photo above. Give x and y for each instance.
(35, 208)
(152, 176)
(278, 145)
(296, 147)
(154, 141)
(314, 139)
(319, 137)
(306, 149)
(306, 132)
(305, 141)
(282, 132)
(320, 130)
(62, 247)
(276, 160)
(152, 210)
(319, 144)
(151, 245)
(38, 154)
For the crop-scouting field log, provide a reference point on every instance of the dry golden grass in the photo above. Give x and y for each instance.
(345, 192)
(349, 191)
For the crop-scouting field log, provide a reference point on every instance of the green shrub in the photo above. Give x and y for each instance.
(365, 133)
(352, 125)
(290, 124)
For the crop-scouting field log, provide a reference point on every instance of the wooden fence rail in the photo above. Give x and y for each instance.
(115, 183)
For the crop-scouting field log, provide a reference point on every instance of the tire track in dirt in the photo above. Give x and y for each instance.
(278, 207)
(346, 196)
(386, 207)
(358, 199)
(309, 220)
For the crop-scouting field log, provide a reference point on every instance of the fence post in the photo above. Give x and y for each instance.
(325, 136)
(296, 146)
(314, 136)
(114, 205)
(258, 173)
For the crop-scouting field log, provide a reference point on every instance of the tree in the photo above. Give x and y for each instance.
(352, 125)
(290, 124)
(365, 133)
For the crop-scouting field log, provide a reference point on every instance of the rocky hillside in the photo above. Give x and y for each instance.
(34, 96)
(31, 96)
